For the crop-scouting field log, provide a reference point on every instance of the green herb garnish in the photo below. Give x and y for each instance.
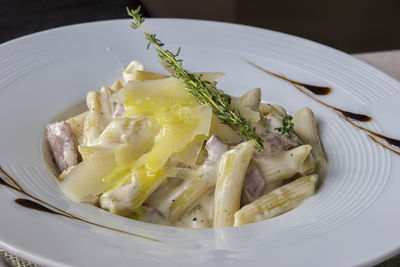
(287, 126)
(204, 91)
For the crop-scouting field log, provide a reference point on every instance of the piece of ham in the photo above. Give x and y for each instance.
(275, 143)
(253, 185)
(62, 144)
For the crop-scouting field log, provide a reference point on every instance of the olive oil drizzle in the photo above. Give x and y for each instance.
(43, 206)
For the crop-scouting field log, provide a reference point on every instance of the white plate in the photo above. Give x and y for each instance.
(353, 219)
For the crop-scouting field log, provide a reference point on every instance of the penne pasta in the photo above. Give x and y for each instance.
(224, 132)
(274, 122)
(269, 109)
(232, 170)
(129, 72)
(284, 165)
(308, 167)
(117, 85)
(278, 201)
(305, 126)
(282, 111)
(185, 195)
(77, 125)
(252, 99)
(200, 216)
(100, 114)
(245, 111)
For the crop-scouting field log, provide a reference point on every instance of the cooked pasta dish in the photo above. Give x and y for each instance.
(148, 150)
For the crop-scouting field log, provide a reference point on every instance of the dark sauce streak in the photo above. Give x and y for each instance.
(2, 182)
(346, 115)
(385, 146)
(318, 90)
(355, 116)
(27, 203)
(15, 185)
(38, 205)
(392, 141)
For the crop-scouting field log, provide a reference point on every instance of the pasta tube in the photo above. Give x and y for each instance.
(282, 111)
(128, 197)
(305, 125)
(245, 111)
(224, 132)
(274, 122)
(117, 85)
(308, 166)
(77, 123)
(266, 109)
(271, 186)
(284, 165)
(100, 114)
(200, 216)
(278, 201)
(252, 99)
(231, 173)
(128, 73)
(185, 195)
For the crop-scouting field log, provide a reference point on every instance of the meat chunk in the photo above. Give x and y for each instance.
(62, 144)
(253, 185)
(280, 142)
(275, 143)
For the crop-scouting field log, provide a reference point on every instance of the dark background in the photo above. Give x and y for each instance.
(351, 26)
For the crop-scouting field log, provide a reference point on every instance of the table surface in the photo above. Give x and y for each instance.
(386, 61)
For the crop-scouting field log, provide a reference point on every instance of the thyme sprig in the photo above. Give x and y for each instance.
(204, 91)
(287, 126)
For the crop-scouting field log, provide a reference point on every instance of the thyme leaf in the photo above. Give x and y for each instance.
(204, 91)
(287, 126)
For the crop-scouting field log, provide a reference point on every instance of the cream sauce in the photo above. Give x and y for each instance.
(201, 215)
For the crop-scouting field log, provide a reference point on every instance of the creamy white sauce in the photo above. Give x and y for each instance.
(119, 200)
(201, 215)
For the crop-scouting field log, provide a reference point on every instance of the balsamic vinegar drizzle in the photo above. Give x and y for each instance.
(27, 203)
(346, 115)
(39, 205)
(318, 90)
(392, 141)
(385, 146)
